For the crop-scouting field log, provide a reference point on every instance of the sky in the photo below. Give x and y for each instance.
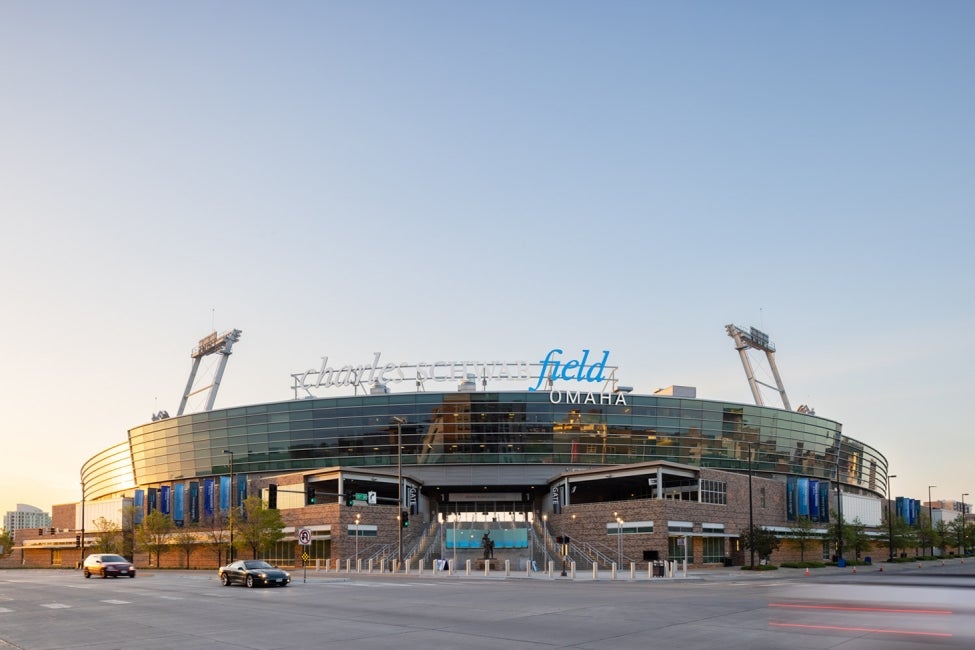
(486, 180)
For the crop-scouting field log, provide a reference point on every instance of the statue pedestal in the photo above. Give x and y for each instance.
(481, 562)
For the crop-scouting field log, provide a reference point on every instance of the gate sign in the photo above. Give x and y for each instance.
(304, 536)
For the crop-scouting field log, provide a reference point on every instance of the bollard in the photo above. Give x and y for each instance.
(358, 565)
(328, 562)
(407, 565)
(507, 568)
(487, 568)
(612, 571)
(595, 568)
(528, 568)
(370, 565)
(348, 565)
(550, 567)
(632, 570)
(419, 568)
(572, 569)
(318, 563)
(468, 567)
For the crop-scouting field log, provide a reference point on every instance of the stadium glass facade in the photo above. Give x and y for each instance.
(484, 428)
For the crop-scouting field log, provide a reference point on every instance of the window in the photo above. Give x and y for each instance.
(714, 492)
(713, 550)
(676, 548)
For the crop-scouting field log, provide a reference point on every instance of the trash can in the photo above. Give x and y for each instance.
(868, 561)
(841, 563)
(658, 569)
(727, 561)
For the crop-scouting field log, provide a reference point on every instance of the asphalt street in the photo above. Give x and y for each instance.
(902, 606)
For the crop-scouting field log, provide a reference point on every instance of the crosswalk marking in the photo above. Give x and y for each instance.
(4, 610)
(117, 602)
(56, 606)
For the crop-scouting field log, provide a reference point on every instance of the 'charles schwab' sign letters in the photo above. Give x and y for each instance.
(550, 369)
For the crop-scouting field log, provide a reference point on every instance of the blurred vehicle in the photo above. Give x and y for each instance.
(107, 565)
(253, 573)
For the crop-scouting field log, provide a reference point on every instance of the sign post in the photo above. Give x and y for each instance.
(304, 538)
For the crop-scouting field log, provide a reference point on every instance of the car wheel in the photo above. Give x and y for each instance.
(224, 579)
(132, 575)
(104, 575)
(250, 581)
(87, 573)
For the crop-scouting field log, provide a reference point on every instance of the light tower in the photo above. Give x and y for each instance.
(757, 340)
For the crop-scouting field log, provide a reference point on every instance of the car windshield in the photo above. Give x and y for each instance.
(113, 558)
(257, 564)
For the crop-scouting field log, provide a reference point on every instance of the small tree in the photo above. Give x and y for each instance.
(855, 536)
(905, 535)
(185, 541)
(260, 528)
(153, 535)
(956, 533)
(217, 532)
(802, 533)
(763, 541)
(108, 536)
(6, 543)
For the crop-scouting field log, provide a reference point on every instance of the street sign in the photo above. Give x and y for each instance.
(372, 498)
(304, 536)
(361, 496)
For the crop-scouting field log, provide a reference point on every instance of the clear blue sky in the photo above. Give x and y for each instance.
(486, 180)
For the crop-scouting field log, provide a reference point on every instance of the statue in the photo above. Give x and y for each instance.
(488, 545)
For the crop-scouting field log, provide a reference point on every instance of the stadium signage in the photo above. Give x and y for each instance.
(581, 397)
(552, 368)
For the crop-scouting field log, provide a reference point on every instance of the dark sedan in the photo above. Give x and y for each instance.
(108, 565)
(253, 573)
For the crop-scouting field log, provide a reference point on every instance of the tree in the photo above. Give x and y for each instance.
(855, 537)
(802, 532)
(905, 535)
(6, 543)
(153, 534)
(217, 533)
(260, 528)
(762, 540)
(942, 536)
(108, 536)
(956, 533)
(185, 540)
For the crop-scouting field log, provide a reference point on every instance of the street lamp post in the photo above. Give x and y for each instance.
(399, 422)
(231, 519)
(357, 517)
(545, 542)
(82, 559)
(751, 511)
(890, 516)
(619, 542)
(963, 523)
(931, 519)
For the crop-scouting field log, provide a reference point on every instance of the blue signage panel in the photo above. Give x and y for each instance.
(802, 487)
(138, 504)
(194, 502)
(179, 498)
(814, 499)
(224, 493)
(164, 495)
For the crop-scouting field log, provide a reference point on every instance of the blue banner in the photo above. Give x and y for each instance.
(137, 505)
(802, 487)
(179, 498)
(814, 500)
(824, 501)
(164, 502)
(151, 502)
(194, 502)
(790, 498)
(224, 493)
(208, 497)
(241, 491)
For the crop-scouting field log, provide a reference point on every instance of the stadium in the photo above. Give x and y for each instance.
(429, 461)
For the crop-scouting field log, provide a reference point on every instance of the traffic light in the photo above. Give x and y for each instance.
(559, 539)
(310, 497)
(272, 496)
(349, 498)
(77, 541)
(404, 519)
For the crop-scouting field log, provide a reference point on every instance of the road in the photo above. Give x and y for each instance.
(903, 607)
